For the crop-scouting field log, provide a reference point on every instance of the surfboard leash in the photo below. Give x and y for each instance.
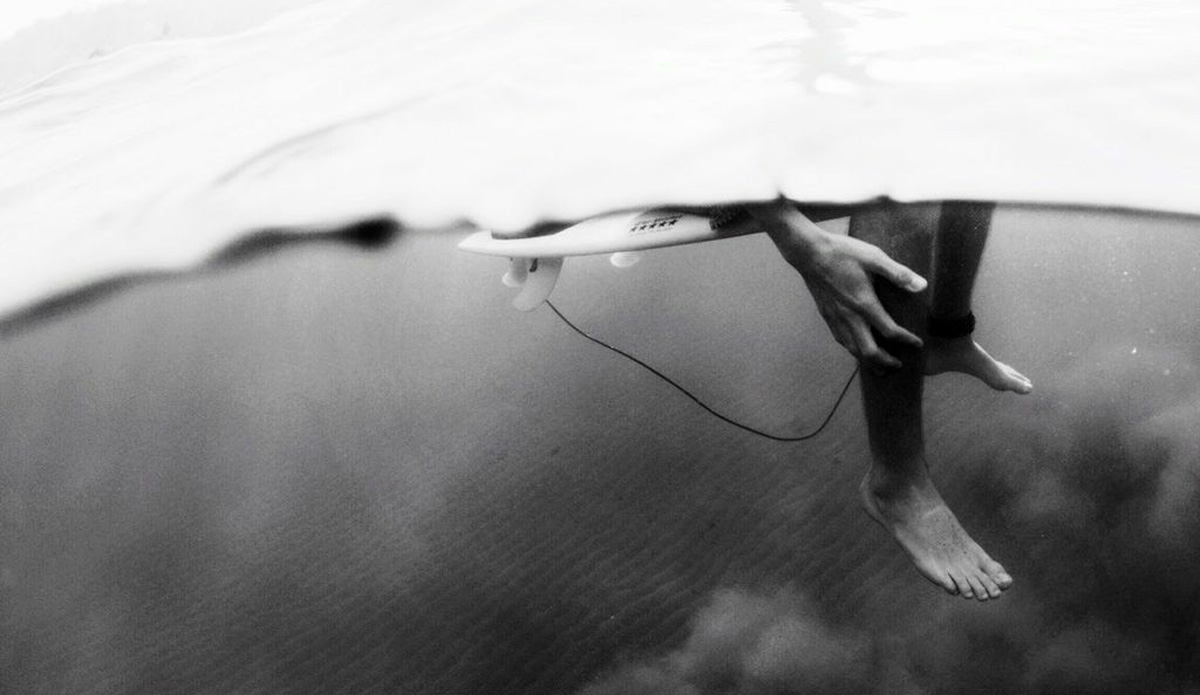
(748, 428)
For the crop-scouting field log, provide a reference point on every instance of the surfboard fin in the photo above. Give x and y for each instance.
(518, 270)
(624, 259)
(537, 277)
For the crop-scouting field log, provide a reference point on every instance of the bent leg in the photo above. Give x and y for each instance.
(961, 236)
(897, 491)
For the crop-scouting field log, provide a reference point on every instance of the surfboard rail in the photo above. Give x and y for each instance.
(616, 232)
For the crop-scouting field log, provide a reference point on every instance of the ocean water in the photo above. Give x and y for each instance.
(349, 469)
(38, 39)
(508, 113)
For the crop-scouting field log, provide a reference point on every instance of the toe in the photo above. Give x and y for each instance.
(995, 572)
(964, 587)
(1017, 380)
(977, 589)
(993, 589)
(1014, 373)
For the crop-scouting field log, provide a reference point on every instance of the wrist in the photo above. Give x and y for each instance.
(801, 241)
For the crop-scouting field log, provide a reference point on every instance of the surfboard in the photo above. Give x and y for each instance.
(618, 232)
(536, 261)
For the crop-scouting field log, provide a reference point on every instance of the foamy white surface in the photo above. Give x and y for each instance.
(510, 111)
(16, 15)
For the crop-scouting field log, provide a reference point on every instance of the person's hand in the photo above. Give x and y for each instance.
(838, 271)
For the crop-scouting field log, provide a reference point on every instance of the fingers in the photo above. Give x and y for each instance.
(840, 329)
(883, 322)
(840, 282)
(852, 333)
(851, 327)
(899, 275)
(868, 350)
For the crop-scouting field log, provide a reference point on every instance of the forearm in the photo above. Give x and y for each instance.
(799, 239)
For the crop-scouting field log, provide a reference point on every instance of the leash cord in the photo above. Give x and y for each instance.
(702, 404)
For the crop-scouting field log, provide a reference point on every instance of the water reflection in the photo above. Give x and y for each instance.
(530, 110)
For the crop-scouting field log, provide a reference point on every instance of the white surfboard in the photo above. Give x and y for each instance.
(617, 232)
(537, 260)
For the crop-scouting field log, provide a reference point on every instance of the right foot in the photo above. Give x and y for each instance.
(929, 533)
(964, 355)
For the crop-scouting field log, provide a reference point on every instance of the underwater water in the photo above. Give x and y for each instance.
(346, 471)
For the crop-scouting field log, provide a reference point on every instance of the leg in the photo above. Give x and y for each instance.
(897, 491)
(961, 236)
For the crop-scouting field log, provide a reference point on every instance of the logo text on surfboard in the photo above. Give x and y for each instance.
(656, 223)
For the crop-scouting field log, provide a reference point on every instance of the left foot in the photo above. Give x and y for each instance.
(915, 515)
(964, 355)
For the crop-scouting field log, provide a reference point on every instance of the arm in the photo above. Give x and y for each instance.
(838, 272)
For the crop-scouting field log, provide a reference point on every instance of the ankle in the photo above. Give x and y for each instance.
(935, 341)
(950, 326)
(888, 483)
